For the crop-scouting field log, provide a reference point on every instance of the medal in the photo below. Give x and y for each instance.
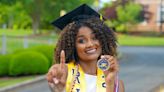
(103, 64)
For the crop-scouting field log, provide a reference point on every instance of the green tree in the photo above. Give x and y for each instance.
(13, 15)
(127, 15)
(54, 7)
(42, 12)
(33, 9)
(35, 13)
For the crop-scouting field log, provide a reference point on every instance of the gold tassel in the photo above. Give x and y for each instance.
(101, 17)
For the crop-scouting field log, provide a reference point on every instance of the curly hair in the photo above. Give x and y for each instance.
(102, 32)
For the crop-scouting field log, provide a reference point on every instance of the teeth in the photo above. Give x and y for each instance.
(91, 51)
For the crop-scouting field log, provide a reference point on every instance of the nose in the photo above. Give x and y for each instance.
(90, 43)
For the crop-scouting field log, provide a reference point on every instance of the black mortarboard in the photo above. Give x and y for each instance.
(70, 16)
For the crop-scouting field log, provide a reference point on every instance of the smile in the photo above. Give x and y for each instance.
(90, 51)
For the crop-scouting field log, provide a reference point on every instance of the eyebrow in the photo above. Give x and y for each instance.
(80, 36)
(83, 35)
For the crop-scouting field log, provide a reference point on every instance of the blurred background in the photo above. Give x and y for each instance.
(27, 40)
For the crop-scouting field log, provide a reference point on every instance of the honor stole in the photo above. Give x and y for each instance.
(80, 83)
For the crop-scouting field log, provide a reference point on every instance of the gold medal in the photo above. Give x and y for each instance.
(103, 64)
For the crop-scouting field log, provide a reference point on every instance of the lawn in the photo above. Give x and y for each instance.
(13, 44)
(19, 32)
(129, 40)
(16, 39)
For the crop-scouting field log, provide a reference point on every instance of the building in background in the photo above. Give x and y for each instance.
(154, 15)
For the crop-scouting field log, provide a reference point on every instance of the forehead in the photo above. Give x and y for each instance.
(84, 31)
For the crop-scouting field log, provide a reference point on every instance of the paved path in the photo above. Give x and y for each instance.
(40, 86)
(141, 69)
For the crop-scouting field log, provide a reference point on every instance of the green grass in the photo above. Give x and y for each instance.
(128, 40)
(8, 81)
(19, 32)
(15, 39)
(17, 43)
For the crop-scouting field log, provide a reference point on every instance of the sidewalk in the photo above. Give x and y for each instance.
(28, 82)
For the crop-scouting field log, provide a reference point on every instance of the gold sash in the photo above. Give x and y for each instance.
(76, 73)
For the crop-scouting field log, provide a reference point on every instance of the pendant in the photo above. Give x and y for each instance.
(103, 64)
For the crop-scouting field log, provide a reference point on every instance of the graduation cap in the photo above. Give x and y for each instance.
(78, 13)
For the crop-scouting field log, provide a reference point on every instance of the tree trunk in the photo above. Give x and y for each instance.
(35, 26)
(10, 22)
(35, 23)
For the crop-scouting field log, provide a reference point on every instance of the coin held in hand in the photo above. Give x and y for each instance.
(103, 64)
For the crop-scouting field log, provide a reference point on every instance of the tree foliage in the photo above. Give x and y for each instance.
(127, 15)
(34, 13)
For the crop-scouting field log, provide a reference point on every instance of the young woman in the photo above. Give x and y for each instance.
(83, 42)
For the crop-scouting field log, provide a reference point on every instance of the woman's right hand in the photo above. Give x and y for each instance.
(57, 75)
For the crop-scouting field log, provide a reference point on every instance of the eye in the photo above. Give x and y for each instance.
(81, 41)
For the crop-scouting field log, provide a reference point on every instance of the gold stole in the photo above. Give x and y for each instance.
(80, 83)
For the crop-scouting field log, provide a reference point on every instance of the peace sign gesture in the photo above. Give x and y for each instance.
(57, 75)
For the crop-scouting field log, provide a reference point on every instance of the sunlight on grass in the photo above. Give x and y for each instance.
(128, 40)
(14, 43)
(19, 32)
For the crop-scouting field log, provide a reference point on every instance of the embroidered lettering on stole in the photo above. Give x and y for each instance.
(80, 84)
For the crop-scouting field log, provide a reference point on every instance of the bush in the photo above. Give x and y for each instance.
(48, 51)
(22, 50)
(27, 63)
(4, 64)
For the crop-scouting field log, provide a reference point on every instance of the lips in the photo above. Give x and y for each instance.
(90, 51)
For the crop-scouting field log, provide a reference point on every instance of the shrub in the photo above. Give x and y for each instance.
(48, 51)
(27, 63)
(4, 64)
(22, 50)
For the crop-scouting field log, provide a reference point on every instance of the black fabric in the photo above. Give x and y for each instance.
(80, 13)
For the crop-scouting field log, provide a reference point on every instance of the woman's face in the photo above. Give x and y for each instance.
(87, 46)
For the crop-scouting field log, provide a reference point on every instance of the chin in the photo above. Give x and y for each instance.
(94, 57)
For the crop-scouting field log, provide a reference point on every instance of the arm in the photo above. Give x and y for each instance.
(57, 75)
(110, 88)
(121, 86)
(111, 75)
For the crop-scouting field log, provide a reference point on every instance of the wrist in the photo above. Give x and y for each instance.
(110, 82)
(110, 87)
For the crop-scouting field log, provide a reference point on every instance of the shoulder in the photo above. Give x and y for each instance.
(121, 86)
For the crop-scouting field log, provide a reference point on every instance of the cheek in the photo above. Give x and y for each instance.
(80, 48)
(98, 45)
(99, 48)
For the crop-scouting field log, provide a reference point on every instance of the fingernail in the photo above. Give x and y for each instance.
(102, 56)
(56, 81)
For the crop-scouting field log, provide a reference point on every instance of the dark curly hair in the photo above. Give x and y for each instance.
(102, 32)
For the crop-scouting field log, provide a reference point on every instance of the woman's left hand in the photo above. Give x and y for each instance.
(111, 73)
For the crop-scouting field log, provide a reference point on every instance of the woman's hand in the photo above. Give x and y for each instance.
(57, 75)
(111, 73)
